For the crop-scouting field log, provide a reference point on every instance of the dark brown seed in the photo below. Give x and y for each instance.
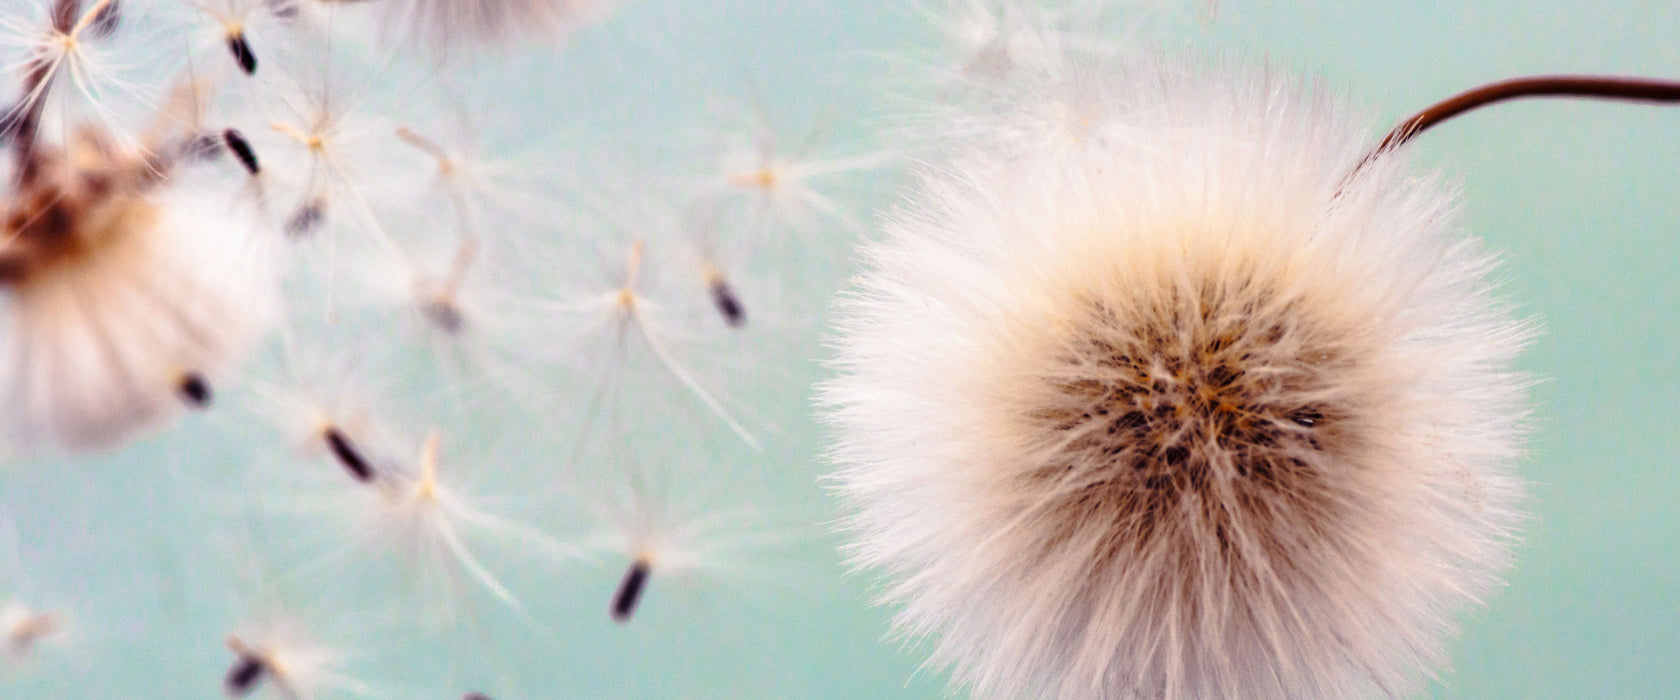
(241, 51)
(242, 150)
(195, 390)
(347, 455)
(630, 591)
(243, 677)
(728, 304)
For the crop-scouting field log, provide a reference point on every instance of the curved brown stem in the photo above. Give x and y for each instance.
(1600, 87)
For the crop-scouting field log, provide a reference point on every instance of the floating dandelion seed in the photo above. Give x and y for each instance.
(703, 227)
(464, 180)
(449, 173)
(628, 310)
(22, 629)
(326, 413)
(59, 55)
(490, 188)
(629, 592)
(723, 296)
(680, 533)
(777, 179)
(992, 41)
(280, 656)
(428, 522)
(1169, 414)
(333, 158)
(237, 27)
(438, 299)
(247, 670)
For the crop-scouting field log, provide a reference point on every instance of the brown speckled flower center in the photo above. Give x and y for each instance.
(1218, 399)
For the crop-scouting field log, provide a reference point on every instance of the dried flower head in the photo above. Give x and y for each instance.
(1160, 406)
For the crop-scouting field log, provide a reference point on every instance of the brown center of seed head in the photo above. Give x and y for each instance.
(84, 200)
(1177, 413)
(56, 225)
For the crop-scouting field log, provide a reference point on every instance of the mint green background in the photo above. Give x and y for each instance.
(1583, 199)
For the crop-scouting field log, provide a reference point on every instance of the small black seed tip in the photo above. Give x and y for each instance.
(728, 304)
(475, 696)
(105, 23)
(241, 149)
(247, 671)
(630, 591)
(307, 217)
(195, 390)
(241, 51)
(347, 455)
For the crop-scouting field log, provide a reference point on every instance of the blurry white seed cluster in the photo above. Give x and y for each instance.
(425, 345)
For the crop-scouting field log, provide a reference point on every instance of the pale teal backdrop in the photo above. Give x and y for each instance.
(1584, 200)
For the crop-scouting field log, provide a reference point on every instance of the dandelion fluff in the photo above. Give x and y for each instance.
(1155, 406)
(444, 26)
(139, 300)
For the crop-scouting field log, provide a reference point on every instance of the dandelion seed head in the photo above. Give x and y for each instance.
(123, 299)
(1161, 413)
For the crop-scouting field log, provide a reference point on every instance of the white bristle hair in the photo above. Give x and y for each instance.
(1145, 401)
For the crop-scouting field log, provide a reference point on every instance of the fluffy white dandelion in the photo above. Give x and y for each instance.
(128, 283)
(1174, 410)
